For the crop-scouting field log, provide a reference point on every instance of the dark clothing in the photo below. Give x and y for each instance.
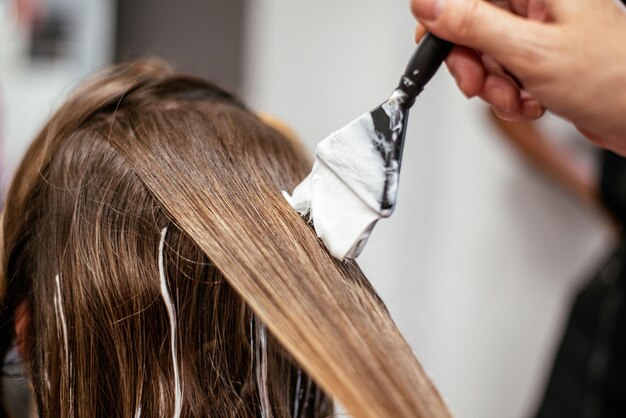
(589, 375)
(613, 185)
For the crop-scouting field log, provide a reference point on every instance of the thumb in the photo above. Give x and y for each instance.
(480, 25)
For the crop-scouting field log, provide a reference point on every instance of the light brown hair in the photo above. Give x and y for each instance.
(138, 157)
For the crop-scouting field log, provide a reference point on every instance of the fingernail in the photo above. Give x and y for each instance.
(428, 9)
(464, 89)
(532, 109)
(502, 99)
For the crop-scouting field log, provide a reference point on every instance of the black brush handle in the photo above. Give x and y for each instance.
(423, 65)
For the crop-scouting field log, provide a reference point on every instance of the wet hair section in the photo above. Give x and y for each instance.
(166, 276)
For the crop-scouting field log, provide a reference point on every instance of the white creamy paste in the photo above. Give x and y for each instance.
(392, 108)
(344, 191)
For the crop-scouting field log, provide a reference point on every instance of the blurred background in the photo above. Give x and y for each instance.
(481, 260)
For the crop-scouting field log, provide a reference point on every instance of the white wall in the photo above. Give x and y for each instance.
(479, 261)
(29, 91)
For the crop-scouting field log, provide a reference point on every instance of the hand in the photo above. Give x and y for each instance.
(26, 11)
(527, 55)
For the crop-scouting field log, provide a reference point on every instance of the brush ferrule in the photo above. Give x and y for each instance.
(424, 64)
(411, 89)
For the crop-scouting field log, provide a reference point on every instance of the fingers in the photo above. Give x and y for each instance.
(501, 93)
(495, 32)
(483, 77)
(467, 69)
(420, 31)
(596, 139)
(528, 110)
(538, 10)
(532, 109)
(480, 25)
(560, 10)
(520, 7)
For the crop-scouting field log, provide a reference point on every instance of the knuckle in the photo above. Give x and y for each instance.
(535, 54)
(520, 6)
(464, 22)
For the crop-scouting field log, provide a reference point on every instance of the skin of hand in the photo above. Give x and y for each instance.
(522, 56)
(26, 10)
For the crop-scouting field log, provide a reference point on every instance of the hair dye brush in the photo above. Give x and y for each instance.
(354, 180)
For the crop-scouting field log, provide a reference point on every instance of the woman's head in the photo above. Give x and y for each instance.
(147, 241)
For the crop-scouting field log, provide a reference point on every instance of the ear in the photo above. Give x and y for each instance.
(22, 324)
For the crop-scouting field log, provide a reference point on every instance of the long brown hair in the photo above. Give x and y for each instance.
(147, 236)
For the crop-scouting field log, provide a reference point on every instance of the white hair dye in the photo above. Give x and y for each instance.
(354, 181)
(167, 299)
(60, 311)
(296, 401)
